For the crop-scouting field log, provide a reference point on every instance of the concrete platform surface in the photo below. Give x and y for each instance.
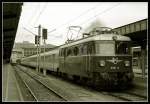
(11, 90)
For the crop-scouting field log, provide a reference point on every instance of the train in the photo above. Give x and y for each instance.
(13, 61)
(101, 57)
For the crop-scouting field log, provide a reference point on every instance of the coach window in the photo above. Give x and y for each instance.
(65, 52)
(90, 48)
(68, 52)
(62, 51)
(71, 51)
(71, 54)
(84, 49)
(80, 49)
(76, 51)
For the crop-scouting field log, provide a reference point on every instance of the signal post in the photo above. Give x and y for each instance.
(37, 42)
(44, 36)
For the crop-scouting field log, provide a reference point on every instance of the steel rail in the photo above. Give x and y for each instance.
(44, 84)
(27, 86)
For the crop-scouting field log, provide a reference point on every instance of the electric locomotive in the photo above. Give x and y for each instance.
(102, 58)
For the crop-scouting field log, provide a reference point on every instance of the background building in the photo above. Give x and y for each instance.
(25, 49)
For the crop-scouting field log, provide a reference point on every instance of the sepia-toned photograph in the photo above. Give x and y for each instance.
(74, 51)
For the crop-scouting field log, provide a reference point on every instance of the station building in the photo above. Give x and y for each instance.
(25, 49)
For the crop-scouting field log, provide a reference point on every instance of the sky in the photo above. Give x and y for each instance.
(58, 16)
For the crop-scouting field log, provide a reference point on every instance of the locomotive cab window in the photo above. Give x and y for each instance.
(106, 48)
(122, 47)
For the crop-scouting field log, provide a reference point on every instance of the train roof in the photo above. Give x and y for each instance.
(97, 37)
(83, 40)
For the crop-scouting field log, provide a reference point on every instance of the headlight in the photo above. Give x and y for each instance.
(127, 63)
(102, 63)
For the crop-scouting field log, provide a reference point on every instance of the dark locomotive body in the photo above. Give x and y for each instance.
(103, 59)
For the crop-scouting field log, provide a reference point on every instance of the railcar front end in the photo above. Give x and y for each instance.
(112, 64)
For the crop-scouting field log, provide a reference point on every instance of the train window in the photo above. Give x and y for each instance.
(87, 48)
(76, 51)
(84, 49)
(80, 49)
(90, 49)
(122, 47)
(105, 48)
(64, 52)
(68, 52)
(71, 51)
(60, 52)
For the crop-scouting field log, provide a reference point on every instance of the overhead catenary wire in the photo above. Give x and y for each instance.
(29, 31)
(106, 10)
(80, 16)
(71, 20)
(36, 20)
(34, 12)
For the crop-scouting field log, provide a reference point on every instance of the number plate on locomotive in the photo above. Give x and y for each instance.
(114, 67)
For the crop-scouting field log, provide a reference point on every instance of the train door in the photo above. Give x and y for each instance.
(62, 59)
(90, 51)
(87, 57)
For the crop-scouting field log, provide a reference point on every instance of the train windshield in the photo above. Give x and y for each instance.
(105, 48)
(122, 47)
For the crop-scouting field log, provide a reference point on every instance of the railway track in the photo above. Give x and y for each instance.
(122, 96)
(38, 90)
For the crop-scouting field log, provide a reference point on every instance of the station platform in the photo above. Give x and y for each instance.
(138, 73)
(11, 91)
